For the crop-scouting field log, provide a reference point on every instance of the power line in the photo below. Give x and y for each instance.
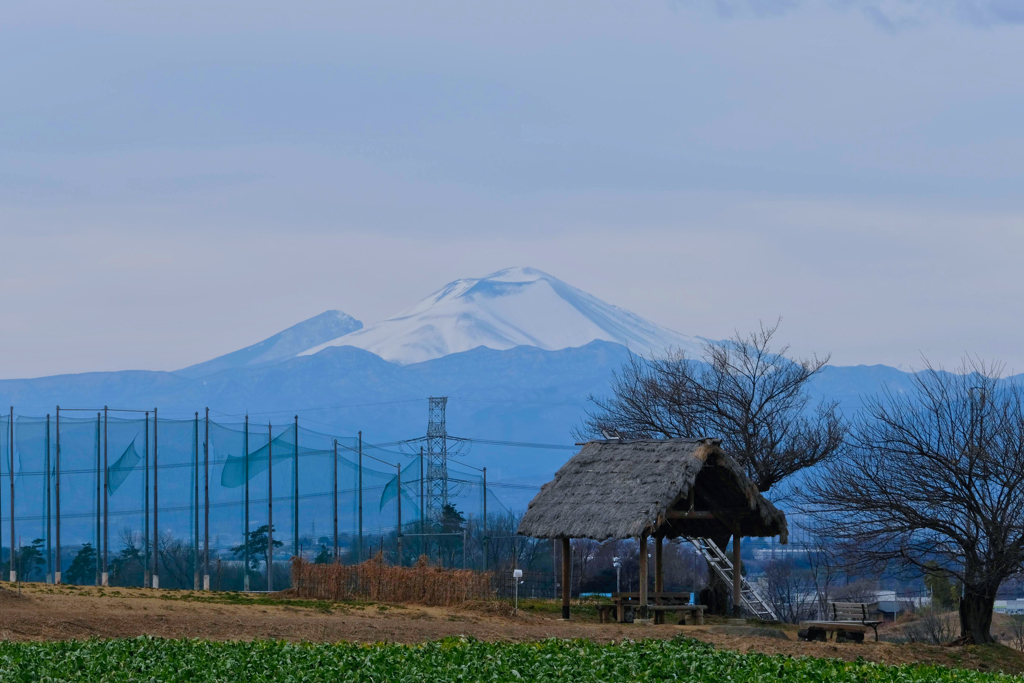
(292, 411)
(515, 444)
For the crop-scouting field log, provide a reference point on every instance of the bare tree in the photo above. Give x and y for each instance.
(823, 569)
(1016, 635)
(177, 559)
(790, 590)
(584, 553)
(743, 391)
(936, 475)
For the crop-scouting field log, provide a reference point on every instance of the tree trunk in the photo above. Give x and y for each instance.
(976, 614)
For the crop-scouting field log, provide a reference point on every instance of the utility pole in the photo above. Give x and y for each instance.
(270, 508)
(56, 574)
(49, 529)
(360, 557)
(99, 506)
(195, 501)
(486, 543)
(335, 500)
(145, 526)
(12, 516)
(295, 481)
(422, 525)
(398, 466)
(10, 476)
(106, 501)
(245, 539)
(156, 508)
(206, 504)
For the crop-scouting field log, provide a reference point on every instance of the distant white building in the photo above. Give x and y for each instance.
(1014, 606)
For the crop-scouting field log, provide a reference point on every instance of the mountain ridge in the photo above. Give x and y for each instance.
(285, 344)
(508, 308)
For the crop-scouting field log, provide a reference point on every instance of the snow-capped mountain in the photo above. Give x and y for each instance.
(282, 346)
(512, 307)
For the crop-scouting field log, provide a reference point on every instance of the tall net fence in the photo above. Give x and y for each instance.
(127, 498)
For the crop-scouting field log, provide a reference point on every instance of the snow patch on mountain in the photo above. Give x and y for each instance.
(509, 308)
(282, 346)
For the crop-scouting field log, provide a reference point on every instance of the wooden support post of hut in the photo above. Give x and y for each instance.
(566, 575)
(643, 575)
(660, 488)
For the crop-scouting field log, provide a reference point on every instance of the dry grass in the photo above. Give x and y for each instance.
(78, 612)
(421, 584)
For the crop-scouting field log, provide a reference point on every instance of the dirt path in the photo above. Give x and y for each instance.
(52, 613)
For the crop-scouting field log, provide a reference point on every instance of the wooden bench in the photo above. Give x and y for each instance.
(658, 603)
(846, 618)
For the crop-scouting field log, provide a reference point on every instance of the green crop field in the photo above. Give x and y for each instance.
(449, 660)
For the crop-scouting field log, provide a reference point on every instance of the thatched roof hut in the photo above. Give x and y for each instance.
(664, 488)
(672, 487)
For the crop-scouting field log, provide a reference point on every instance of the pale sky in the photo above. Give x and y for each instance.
(179, 180)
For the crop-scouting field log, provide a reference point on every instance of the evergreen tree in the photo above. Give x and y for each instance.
(324, 556)
(257, 543)
(30, 559)
(945, 592)
(83, 566)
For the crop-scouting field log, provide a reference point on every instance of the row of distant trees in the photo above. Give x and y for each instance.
(929, 480)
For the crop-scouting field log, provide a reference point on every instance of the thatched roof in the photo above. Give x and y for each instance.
(622, 489)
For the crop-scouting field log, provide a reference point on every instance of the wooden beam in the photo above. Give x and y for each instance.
(692, 514)
(566, 576)
(722, 514)
(643, 576)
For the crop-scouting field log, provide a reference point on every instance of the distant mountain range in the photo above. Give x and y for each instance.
(509, 308)
(518, 352)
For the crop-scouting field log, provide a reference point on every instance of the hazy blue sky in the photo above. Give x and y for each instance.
(179, 180)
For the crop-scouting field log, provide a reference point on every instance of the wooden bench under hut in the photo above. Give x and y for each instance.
(661, 488)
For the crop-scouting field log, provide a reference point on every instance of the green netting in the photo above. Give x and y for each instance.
(130, 484)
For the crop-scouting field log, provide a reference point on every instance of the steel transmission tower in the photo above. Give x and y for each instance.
(437, 460)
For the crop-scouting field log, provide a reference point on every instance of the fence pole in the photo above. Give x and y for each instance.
(106, 501)
(145, 526)
(1, 510)
(99, 508)
(195, 503)
(463, 548)
(422, 524)
(295, 493)
(486, 542)
(335, 500)
(399, 468)
(156, 507)
(56, 574)
(245, 539)
(206, 504)
(10, 476)
(270, 508)
(49, 528)
(359, 559)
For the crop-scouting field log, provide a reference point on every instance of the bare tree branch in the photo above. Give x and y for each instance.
(935, 475)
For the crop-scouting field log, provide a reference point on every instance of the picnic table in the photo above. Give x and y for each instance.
(657, 603)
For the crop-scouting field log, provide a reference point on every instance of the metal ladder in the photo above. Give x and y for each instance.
(719, 561)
